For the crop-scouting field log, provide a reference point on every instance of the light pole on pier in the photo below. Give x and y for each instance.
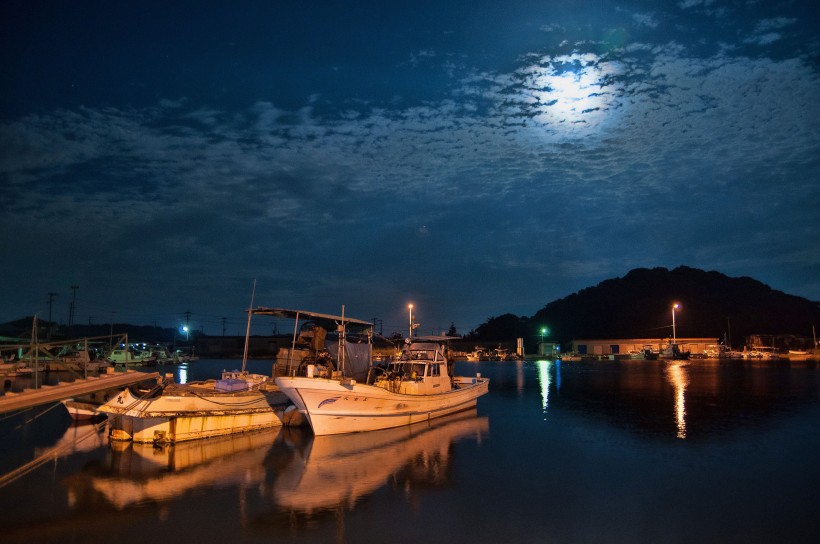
(410, 308)
(674, 307)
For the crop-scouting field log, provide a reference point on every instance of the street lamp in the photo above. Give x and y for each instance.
(410, 308)
(674, 307)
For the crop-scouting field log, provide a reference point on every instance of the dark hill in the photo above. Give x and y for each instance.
(639, 305)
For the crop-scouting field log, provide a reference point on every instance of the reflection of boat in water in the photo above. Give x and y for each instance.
(80, 436)
(340, 469)
(418, 387)
(146, 472)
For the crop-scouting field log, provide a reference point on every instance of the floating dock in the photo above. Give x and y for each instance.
(45, 394)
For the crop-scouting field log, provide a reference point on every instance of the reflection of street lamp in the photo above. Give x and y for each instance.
(410, 308)
(674, 307)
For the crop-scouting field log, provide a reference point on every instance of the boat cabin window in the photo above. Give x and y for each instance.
(434, 370)
(408, 369)
(419, 355)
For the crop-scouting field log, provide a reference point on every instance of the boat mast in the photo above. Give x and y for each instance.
(342, 343)
(248, 330)
(34, 348)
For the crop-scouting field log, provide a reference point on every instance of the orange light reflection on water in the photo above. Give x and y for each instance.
(676, 373)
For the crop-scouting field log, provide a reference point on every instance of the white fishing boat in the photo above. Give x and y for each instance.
(418, 387)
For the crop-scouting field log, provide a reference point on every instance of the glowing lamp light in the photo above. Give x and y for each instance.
(674, 307)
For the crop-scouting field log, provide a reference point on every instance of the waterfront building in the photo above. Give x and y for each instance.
(623, 346)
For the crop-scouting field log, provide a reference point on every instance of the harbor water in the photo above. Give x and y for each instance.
(561, 452)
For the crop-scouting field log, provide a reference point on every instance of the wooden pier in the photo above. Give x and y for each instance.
(45, 394)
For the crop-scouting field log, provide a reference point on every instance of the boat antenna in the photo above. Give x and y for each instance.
(248, 330)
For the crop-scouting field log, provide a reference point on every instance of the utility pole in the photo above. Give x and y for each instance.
(111, 331)
(73, 304)
(223, 325)
(187, 325)
(50, 302)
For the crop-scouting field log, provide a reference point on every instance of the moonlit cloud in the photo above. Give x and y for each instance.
(570, 160)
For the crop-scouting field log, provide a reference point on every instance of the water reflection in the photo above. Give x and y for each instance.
(706, 398)
(677, 375)
(80, 436)
(290, 468)
(141, 473)
(545, 380)
(519, 377)
(327, 472)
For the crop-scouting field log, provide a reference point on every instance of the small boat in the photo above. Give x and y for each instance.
(673, 351)
(172, 412)
(802, 354)
(478, 354)
(130, 358)
(419, 386)
(647, 353)
(87, 406)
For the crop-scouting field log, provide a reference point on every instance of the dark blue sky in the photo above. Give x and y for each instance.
(474, 158)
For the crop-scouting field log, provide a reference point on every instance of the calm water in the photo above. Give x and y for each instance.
(556, 452)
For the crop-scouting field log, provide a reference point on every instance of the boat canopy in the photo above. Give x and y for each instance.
(314, 316)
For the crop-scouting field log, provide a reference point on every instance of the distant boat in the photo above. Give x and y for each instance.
(802, 355)
(646, 354)
(130, 358)
(762, 352)
(672, 351)
(478, 354)
(417, 387)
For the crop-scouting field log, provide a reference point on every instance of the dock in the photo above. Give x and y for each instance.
(45, 394)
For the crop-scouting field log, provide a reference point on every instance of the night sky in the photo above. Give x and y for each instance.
(472, 157)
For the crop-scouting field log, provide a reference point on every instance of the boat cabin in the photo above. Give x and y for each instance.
(423, 369)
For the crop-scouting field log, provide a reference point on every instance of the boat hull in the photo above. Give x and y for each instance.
(179, 417)
(82, 410)
(333, 407)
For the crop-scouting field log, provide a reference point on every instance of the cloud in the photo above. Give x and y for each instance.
(540, 171)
